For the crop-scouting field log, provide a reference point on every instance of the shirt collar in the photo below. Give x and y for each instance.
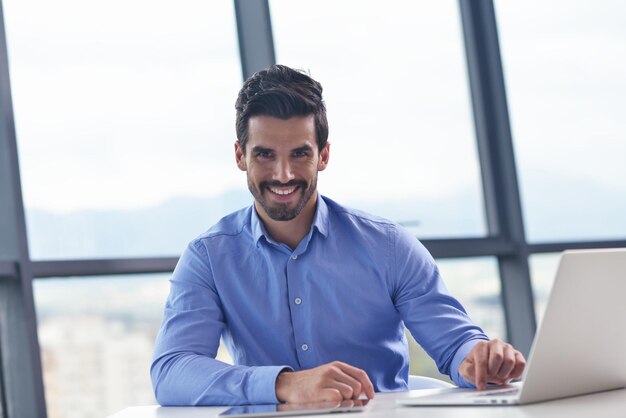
(320, 221)
(258, 229)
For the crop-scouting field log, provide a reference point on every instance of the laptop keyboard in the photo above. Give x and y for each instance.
(508, 392)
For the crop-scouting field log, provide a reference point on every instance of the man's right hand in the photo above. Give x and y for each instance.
(330, 382)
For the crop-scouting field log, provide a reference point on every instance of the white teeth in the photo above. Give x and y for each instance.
(282, 192)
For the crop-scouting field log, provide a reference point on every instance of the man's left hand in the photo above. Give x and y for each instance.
(492, 361)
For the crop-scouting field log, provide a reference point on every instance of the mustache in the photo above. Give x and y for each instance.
(301, 183)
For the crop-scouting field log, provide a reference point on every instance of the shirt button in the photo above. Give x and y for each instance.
(297, 301)
(305, 347)
(294, 257)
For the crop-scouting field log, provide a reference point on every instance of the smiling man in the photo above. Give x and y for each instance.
(310, 297)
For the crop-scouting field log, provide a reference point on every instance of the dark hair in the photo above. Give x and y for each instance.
(281, 92)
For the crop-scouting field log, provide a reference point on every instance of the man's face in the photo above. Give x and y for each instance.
(281, 162)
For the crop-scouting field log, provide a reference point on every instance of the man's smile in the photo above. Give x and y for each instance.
(282, 191)
(283, 201)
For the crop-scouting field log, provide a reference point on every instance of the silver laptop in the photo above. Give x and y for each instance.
(579, 347)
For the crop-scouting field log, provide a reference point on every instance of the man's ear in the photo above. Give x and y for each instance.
(240, 157)
(324, 156)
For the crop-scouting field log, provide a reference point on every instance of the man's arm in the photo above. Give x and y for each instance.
(440, 324)
(184, 370)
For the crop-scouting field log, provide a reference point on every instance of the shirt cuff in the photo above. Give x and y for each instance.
(263, 384)
(458, 358)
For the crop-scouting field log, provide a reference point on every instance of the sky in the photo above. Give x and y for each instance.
(123, 110)
(566, 78)
(128, 110)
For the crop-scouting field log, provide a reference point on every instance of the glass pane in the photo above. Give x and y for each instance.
(398, 106)
(125, 122)
(97, 339)
(565, 68)
(476, 284)
(542, 274)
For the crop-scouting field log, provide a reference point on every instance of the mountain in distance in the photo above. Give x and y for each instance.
(555, 210)
(166, 229)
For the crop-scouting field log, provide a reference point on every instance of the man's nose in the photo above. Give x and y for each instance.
(282, 171)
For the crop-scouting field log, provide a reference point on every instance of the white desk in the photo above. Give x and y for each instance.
(601, 405)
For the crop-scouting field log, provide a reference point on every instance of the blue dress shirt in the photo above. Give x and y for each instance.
(345, 293)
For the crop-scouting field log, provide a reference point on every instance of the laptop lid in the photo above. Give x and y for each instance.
(580, 344)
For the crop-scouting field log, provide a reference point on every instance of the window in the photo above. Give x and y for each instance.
(125, 122)
(125, 112)
(392, 94)
(566, 82)
(96, 351)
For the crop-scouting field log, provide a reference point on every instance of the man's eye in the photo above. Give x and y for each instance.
(263, 154)
(300, 154)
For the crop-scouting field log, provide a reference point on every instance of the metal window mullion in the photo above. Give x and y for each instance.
(8, 269)
(67, 268)
(22, 383)
(439, 248)
(495, 149)
(254, 29)
(553, 247)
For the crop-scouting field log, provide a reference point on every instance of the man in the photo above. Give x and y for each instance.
(310, 297)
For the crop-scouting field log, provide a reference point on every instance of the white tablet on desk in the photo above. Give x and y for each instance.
(293, 409)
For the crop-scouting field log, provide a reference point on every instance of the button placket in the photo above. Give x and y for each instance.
(297, 290)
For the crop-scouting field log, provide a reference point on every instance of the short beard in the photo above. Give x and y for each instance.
(282, 212)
